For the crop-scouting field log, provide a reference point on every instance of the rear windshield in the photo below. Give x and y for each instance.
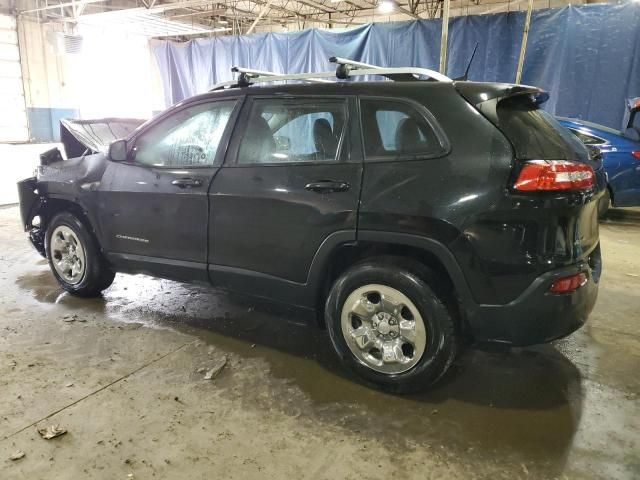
(534, 133)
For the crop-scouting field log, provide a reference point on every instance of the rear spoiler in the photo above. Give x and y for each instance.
(486, 96)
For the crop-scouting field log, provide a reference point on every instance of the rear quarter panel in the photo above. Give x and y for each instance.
(501, 241)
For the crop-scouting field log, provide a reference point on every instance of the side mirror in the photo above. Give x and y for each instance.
(118, 151)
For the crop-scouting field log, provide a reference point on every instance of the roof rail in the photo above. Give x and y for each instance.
(346, 68)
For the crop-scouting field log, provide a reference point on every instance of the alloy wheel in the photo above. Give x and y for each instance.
(67, 255)
(383, 329)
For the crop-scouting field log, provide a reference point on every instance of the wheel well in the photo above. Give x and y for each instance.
(54, 206)
(347, 255)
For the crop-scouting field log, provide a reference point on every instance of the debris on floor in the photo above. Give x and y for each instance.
(215, 371)
(52, 431)
(70, 318)
(130, 326)
(17, 455)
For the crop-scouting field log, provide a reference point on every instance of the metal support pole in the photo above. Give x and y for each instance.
(444, 38)
(263, 11)
(523, 47)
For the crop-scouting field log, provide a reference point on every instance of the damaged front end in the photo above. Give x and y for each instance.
(30, 204)
(59, 183)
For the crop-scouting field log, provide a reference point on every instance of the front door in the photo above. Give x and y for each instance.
(154, 207)
(290, 182)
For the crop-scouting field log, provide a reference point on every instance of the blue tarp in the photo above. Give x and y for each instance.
(587, 57)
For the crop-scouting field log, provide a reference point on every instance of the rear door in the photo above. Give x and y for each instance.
(154, 208)
(290, 183)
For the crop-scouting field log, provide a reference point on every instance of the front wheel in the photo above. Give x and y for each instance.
(388, 326)
(74, 257)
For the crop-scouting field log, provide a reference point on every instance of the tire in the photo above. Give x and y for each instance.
(395, 274)
(604, 203)
(75, 258)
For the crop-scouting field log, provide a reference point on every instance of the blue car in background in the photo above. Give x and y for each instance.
(621, 155)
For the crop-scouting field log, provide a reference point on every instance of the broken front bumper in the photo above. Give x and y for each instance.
(30, 203)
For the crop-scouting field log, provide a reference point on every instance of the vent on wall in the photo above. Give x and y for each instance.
(72, 43)
(65, 43)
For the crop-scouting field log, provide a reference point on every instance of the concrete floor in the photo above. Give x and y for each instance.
(123, 379)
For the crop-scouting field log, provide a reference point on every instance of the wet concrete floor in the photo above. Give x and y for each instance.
(125, 378)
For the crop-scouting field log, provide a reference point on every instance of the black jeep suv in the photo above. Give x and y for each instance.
(408, 214)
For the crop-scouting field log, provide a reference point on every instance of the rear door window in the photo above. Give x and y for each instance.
(394, 129)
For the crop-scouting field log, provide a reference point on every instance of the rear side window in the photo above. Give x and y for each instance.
(395, 129)
(534, 133)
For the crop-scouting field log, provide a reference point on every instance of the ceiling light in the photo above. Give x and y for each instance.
(335, 1)
(223, 22)
(386, 6)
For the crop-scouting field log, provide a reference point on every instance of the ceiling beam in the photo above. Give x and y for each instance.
(57, 6)
(165, 7)
(281, 9)
(186, 34)
(319, 6)
(199, 13)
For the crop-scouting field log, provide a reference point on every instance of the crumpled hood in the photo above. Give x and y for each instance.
(95, 135)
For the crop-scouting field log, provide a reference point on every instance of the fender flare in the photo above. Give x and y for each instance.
(434, 247)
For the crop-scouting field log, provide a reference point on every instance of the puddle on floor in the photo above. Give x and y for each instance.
(531, 399)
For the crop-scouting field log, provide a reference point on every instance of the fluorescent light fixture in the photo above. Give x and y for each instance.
(335, 1)
(222, 22)
(386, 6)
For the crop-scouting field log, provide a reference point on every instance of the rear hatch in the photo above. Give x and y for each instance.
(563, 198)
(533, 133)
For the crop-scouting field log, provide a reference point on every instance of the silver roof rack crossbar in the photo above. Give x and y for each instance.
(250, 80)
(346, 68)
(250, 73)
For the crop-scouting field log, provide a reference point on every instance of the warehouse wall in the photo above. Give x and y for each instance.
(113, 74)
(48, 89)
(13, 118)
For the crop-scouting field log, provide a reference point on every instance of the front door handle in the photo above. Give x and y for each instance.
(187, 182)
(327, 186)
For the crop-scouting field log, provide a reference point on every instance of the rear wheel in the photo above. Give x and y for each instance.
(74, 257)
(388, 325)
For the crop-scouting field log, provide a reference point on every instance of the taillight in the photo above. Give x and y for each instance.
(568, 284)
(554, 175)
(636, 154)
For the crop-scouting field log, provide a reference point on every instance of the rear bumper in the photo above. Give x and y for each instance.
(538, 316)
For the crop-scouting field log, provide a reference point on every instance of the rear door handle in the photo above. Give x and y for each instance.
(187, 182)
(327, 186)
